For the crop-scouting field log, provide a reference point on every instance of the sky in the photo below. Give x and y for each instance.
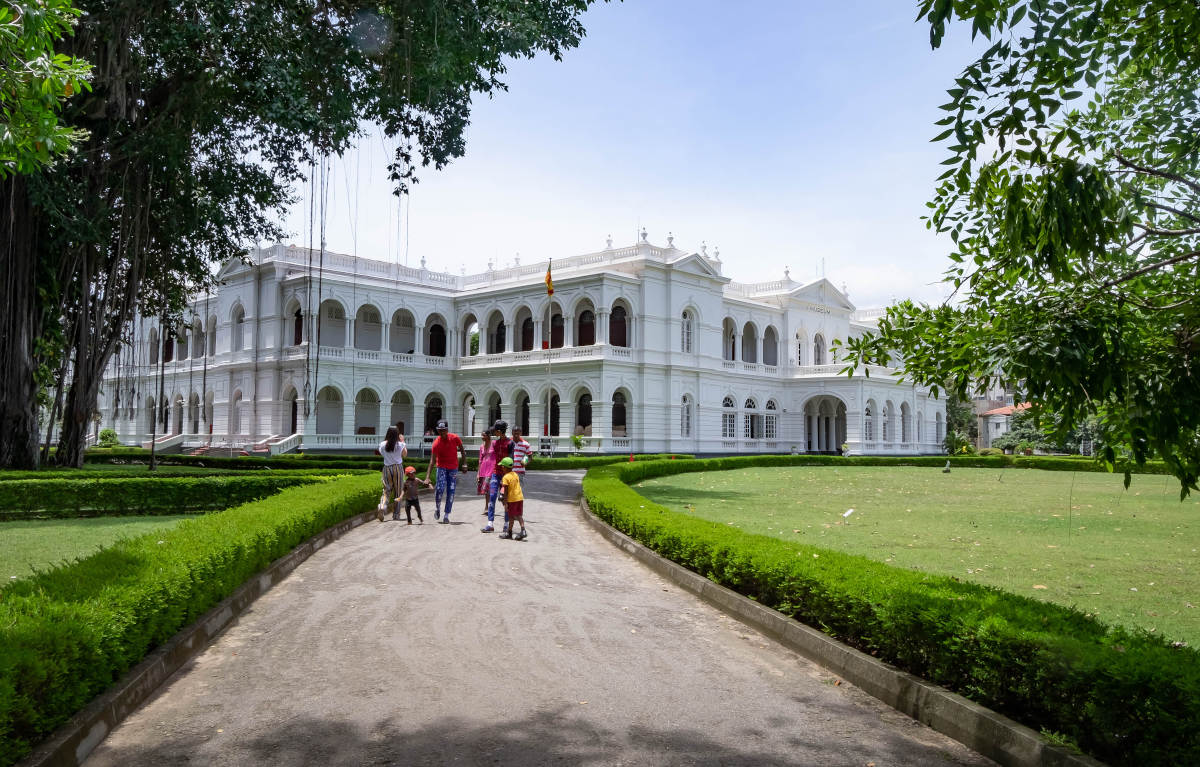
(790, 134)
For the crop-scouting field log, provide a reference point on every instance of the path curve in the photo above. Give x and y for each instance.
(436, 644)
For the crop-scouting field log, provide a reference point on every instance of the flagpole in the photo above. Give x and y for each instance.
(549, 333)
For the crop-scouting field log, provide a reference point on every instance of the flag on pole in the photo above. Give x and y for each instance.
(549, 282)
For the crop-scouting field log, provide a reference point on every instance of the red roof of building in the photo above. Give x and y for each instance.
(1008, 409)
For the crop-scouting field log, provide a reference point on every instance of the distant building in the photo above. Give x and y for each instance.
(641, 348)
(997, 421)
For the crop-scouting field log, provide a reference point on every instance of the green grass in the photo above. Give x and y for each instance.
(1127, 557)
(39, 544)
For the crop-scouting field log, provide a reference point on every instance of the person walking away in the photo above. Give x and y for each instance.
(514, 501)
(393, 451)
(450, 458)
(412, 486)
(521, 450)
(501, 449)
(487, 465)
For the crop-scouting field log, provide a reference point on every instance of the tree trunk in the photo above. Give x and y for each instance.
(19, 327)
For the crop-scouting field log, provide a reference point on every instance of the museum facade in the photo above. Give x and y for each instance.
(639, 349)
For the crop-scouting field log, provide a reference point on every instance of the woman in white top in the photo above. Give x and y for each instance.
(393, 451)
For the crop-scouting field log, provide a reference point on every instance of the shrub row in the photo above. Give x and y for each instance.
(69, 633)
(299, 461)
(140, 470)
(1122, 697)
(70, 497)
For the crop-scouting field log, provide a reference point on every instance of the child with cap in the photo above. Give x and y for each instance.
(411, 486)
(501, 449)
(510, 488)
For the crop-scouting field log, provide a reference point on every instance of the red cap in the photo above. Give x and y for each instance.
(410, 470)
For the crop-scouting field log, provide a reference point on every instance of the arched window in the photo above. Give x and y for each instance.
(749, 343)
(237, 339)
(729, 339)
(197, 339)
(495, 412)
(587, 329)
(770, 355)
(728, 418)
(884, 418)
(905, 423)
(527, 334)
(938, 424)
(153, 346)
(869, 422)
(235, 413)
(618, 416)
(329, 411)
(583, 415)
(168, 346)
(297, 327)
(556, 331)
(685, 416)
(818, 349)
(437, 341)
(618, 327)
(751, 421)
(686, 329)
(770, 420)
(554, 420)
(433, 413)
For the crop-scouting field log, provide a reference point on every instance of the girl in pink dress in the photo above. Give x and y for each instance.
(487, 465)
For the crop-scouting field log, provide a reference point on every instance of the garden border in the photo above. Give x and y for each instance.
(73, 742)
(994, 735)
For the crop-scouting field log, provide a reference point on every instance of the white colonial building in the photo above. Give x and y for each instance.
(640, 349)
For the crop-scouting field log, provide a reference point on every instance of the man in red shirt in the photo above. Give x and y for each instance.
(450, 457)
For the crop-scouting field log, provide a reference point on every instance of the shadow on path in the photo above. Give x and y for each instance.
(549, 737)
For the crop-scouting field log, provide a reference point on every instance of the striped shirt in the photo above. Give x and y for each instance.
(520, 449)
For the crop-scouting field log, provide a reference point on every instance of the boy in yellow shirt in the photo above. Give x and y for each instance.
(514, 499)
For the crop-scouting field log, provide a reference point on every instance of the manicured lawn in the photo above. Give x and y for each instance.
(45, 542)
(1127, 557)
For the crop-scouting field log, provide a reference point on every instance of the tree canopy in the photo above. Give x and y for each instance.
(202, 117)
(1072, 196)
(34, 82)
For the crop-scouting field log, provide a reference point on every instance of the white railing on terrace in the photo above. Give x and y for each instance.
(866, 315)
(749, 289)
(343, 263)
(285, 444)
(876, 371)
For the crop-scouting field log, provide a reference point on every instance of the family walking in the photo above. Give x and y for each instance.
(501, 470)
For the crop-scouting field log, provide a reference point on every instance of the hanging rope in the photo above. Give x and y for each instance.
(308, 350)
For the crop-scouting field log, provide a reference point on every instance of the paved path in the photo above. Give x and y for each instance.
(436, 644)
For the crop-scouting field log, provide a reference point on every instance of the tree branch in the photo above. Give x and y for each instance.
(1169, 209)
(1150, 268)
(1167, 232)
(1195, 187)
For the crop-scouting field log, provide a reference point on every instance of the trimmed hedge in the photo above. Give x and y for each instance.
(138, 470)
(301, 461)
(545, 463)
(71, 497)
(1122, 696)
(67, 634)
(98, 455)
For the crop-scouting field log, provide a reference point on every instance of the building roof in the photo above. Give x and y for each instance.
(1008, 409)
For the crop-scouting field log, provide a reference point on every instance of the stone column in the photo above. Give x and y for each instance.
(537, 336)
(348, 340)
(509, 332)
(348, 408)
(602, 327)
(568, 331)
(419, 341)
(386, 337)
